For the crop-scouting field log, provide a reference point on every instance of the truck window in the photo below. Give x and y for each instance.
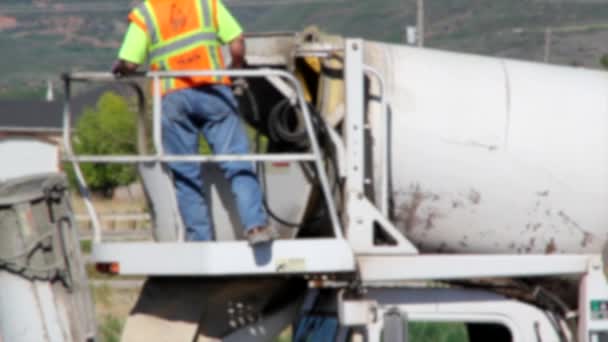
(437, 332)
(457, 332)
(487, 331)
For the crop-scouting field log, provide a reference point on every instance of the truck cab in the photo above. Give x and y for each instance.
(425, 314)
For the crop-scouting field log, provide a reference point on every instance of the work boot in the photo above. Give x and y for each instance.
(259, 235)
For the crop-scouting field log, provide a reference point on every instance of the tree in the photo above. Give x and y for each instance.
(108, 128)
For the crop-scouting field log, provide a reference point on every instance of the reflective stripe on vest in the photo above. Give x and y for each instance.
(205, 13)
(166, 82)
(180, 44)
(150, 25)
(215, 60)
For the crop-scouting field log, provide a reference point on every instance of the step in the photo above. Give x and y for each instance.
(300, 256)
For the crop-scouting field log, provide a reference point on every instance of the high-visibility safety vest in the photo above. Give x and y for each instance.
(183, 36)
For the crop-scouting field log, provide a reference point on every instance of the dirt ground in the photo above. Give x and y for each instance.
(114, 302)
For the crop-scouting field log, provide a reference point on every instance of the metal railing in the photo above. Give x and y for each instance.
(160, 156)
(384, 186)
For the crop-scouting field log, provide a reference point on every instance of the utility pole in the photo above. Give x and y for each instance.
(548, 36)
(50, 95)
(420, 22)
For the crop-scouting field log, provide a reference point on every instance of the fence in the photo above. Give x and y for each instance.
(116, 221)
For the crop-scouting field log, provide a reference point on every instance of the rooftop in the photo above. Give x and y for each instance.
(47, 116)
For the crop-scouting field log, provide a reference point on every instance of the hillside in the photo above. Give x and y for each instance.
(514, 28)
(40, 38)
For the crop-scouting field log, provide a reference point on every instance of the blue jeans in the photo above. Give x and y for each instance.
(212, 111)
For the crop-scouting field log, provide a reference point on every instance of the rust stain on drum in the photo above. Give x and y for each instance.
(457, 204)
(567, 219)
(543, 193)
(474, 196)
(587, 239)
(551, 247)
(408, 212)
(429, 221)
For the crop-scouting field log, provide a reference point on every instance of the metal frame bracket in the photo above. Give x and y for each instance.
(362, 214)
(356, 311)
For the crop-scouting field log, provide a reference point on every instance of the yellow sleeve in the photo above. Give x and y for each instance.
(228, 27)
(135, 45)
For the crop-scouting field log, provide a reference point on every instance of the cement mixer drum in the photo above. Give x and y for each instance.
(490, 155)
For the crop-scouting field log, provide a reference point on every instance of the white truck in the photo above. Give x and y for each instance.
(410, 185)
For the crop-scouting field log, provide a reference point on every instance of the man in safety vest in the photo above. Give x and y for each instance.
(187, 35)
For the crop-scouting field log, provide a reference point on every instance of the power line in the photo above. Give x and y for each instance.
(420, 22)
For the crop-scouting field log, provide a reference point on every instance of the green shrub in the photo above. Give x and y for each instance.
(107, 129)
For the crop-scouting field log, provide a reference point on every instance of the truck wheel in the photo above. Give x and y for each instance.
(482, 332)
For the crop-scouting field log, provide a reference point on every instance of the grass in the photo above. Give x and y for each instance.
(86, 246)
(102, 295)
(110, 329)
(109, 324)
(112, 309)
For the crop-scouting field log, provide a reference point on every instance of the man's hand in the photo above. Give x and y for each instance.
(237, 52)
(122, 68)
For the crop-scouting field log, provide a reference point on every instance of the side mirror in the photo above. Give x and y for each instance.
(395, 326)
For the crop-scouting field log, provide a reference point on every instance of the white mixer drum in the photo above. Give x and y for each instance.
(492, 155)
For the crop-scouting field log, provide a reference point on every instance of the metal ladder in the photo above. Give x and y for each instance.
(300, 256)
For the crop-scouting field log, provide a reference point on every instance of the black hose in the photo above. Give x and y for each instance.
(280, 129)
(282, 126)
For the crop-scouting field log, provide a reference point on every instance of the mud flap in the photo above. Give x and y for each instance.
(213, 309)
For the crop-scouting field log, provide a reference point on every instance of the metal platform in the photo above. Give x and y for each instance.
(373, 269)
(302, 256)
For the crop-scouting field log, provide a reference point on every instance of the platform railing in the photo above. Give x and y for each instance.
(315, 155)
(385, 142)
